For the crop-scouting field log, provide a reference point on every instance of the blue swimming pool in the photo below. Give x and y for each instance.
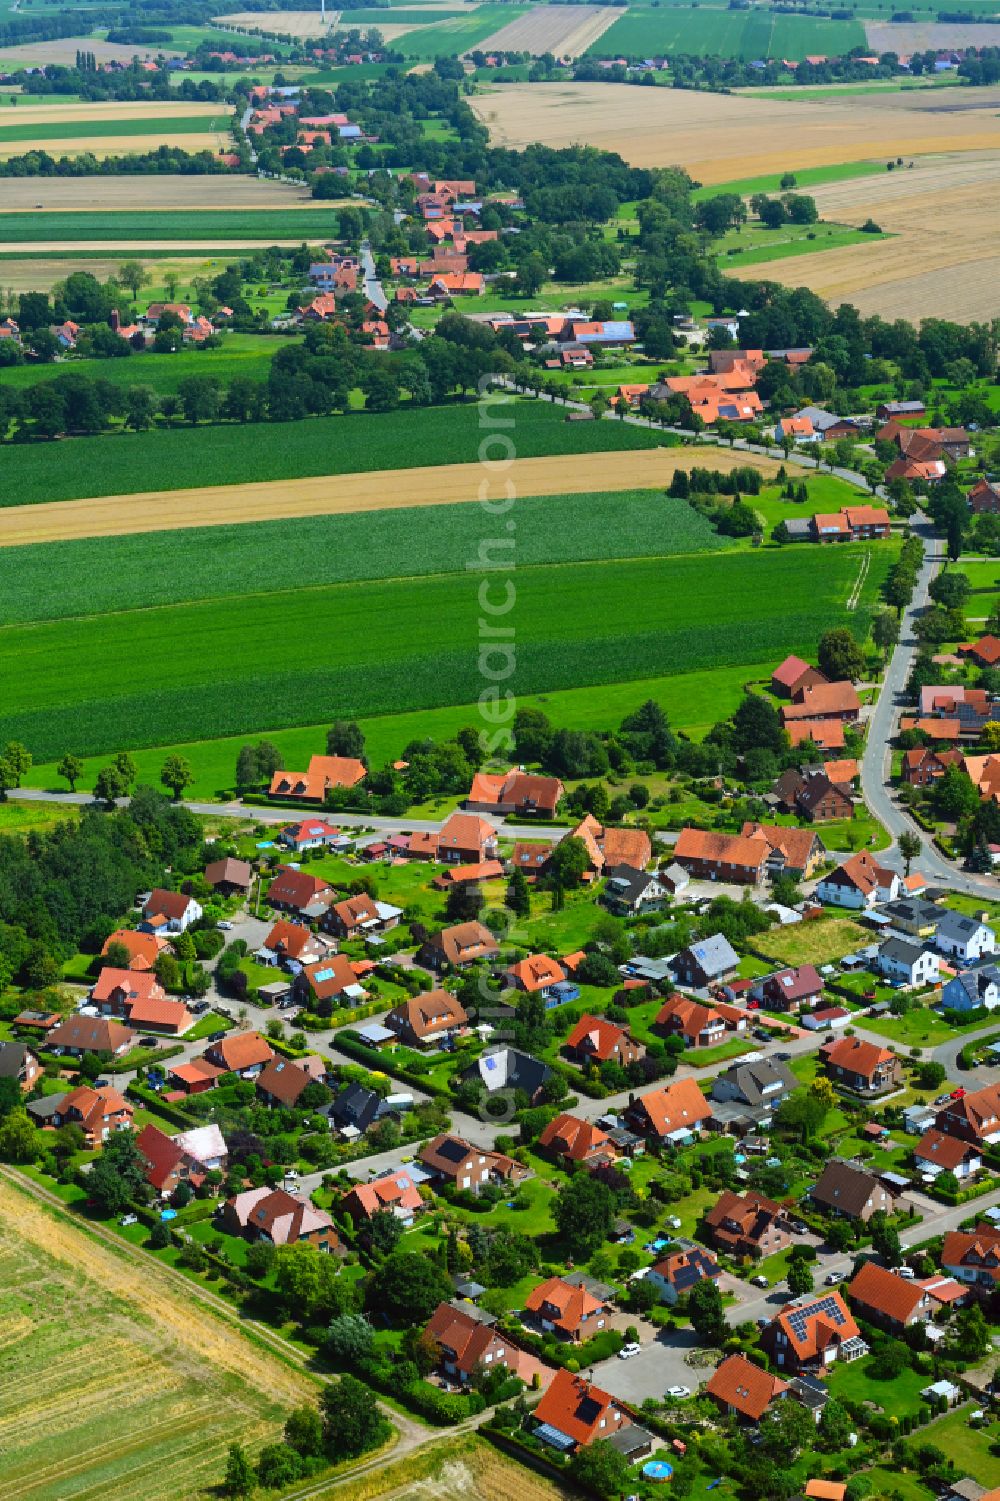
(657, 1469)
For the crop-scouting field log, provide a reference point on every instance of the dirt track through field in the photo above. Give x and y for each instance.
(563, 30)
(945, 215)
(719, 137)
(331, 495)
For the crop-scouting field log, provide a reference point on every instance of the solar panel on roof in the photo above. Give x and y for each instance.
(324, 974)
(489, 1063)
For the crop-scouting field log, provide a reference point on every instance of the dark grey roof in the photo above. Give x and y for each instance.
(956, 925)
(506, 1068)
(976, 982)
(752, 1079)
(913, 909)
(844, 1187)
(631, 1440)
(901, 951)
(45, 1108)
(356, 1106)
(714, 956)
(12, 1056)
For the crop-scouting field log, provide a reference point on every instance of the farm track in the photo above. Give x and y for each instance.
(854, 598)
(328, 495)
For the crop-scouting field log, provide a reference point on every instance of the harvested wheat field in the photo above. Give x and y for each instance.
(219, 139)
(63, 50)
(52, 113)
(112, 1385)
(463, 1469)
(925, 36)
(720, 137)
(332, 495)
(194, 247)
(563, 30)
(300, 25)
(945, 214)
(97, 194)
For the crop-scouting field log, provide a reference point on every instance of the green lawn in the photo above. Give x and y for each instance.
(819, 941)
(918, 1028)
(808, 177)
(216, 116)
(359, 442)
(755, 245)
(220, 667)
(243, 355)
(968, 1447)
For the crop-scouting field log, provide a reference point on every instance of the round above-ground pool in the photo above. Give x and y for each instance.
(657, 1469)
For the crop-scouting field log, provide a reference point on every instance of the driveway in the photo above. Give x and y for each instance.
(660, 1364)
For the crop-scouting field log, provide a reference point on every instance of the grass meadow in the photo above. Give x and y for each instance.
(246, 355)
(360, 442)
(203, 225)
(291, 656)
(648, 32)
(75, 130)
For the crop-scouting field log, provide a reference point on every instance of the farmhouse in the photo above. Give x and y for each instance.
(324, 774)
(721, 857)
(613, 847)
(791, 852)
(819, 701)
(792, 676)
(517, 792)
(810, 793)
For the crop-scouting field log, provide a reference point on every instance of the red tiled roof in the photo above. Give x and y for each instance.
(876, 1288)
(568, 1136)
(740, 1384)
(676, 1107)
(578, 1408)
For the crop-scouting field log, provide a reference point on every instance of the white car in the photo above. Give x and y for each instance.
(832, 1278)
(226, 927)
(678, 1391)
(627, 1351)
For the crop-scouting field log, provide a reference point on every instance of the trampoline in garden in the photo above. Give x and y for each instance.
(657, 1469)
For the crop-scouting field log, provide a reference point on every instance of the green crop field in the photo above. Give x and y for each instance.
(246, 355)
(205, 226)
(723, 33)
(55, 580)
(360, 442)
(753, 245)
(808, 177)
(75, 130)
(295, 656)
(445, 38)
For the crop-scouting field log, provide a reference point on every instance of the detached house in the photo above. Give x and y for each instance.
(17, 1061)
(517, 792)
(569, 1139)
(396, 1192)
(675, 1275)
(361, 916)
(972, 1257)
(99, 1112)
(538, 974)
(310, 834)
(936, 1153)
(566, 1307)
(90, 1034)
(458, 946)
(630, 893)
(965, 938)
(859, 883)
(811, 1336)
(884, 1298)
(789, 990)
(708, 962)
(793, 676)
(230, 877)
(297, 891)
(331, 979)
(293, 945)
(972, 989)
(862, 1067)
(574, 1413)
(469, 1341)
(609, 848)
(143, 949)
(244, 1053)
(325, 773)
(744, 1390)
(910, 963)
(748, 1225)
(595, 1040)
(282, 1082)
(700, 1026)
(169, 911)
(673, 1114)
(851, 1192)
(975, 1117)
(451, 1159)
(279, 1218)
(465, 839)
(760, 1086)
(427, 1020)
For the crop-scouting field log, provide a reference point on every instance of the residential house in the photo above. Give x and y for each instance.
(361, 916)
(98, 1112)
(282, 1082)
(187, 1157)
(984, 497)
(913, 916)
(813, 1335)
(311, 834)
(230, 877)
(331, 979)
(356, 1108)
(194, 1077)
(428, 1019)
(972, 1257)
(699, 1025)
(278, 1218)
(631, 893)
(761, 1085)
(538, 974)
(570, 1139)
(468, 875)
(819, 701)
(863, 1067)
(883, 1297)
(90, 1034)
(465, 839)
(710, 961)
(675, 1275)
(744, 1390)
(452, 1159)
(395, 1193)
(985, 652)
(792, 676)
(242, 1053)
(325, 773)
(567, 1307)
(574, 1413)
(458, 946)
(17, 1061)
(936, 1153)
(517, 792)
(297, 891)
(595, 1040)
(789, 990)
(674, 1113)
(143, 949)
(710, 856)
(811, 794)
(924, 765)
(469, 1342)
(825, 734)
(137, 997)
(974, 1117)
(610, 848)
(292, 944)
(170, 911)
(850, 1191)
(859, 883)
(972, 989)
(509, 1069)
(791, 852)
(748, 1225)
(910, 963)
(531, 858)
(965, 938)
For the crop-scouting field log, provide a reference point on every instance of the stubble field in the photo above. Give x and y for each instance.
(112, 1386)
(63, 50)
(300, 25)
(720, 138)
(176, 192)
(563, 30)
(944, 214)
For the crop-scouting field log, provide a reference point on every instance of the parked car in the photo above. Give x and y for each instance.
(761, 1034)
(759, 1281)
(102, 1083)
(958, 1094)
(907, 1272)
(678, 1391)
(627, 1351)
(200, 1007)
(129, 1219)
(832, 1278)
(226, 926)
(218, 1036)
